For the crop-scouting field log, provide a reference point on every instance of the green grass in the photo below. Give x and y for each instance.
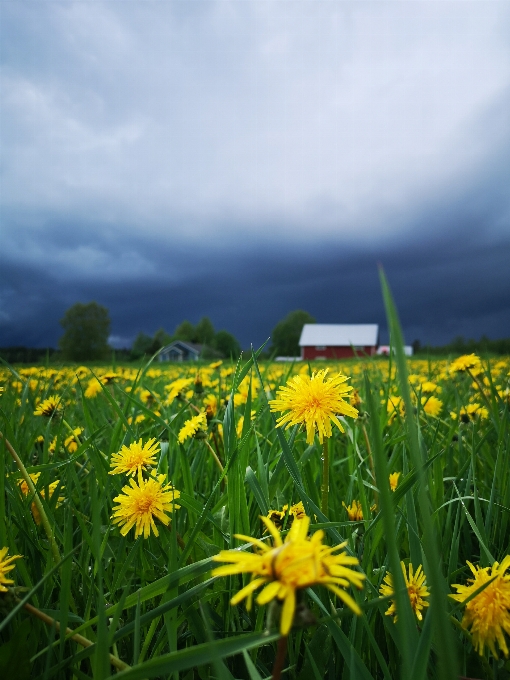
(148, 608)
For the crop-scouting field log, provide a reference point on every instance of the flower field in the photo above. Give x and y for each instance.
(341, 520)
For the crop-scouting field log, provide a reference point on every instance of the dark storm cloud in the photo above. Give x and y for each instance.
(443, 287)
(239, 160)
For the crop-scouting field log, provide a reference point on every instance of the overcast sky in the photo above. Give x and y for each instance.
(241, 159)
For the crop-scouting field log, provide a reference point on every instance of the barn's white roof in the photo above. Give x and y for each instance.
(339, 335)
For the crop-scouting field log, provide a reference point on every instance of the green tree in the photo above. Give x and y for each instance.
(225, 343)
(185, 331)
(286, 333)
(86, 330)
(141, 346)
(204, 331)
(161, 339)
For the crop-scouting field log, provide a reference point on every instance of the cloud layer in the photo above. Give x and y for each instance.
(240, 159)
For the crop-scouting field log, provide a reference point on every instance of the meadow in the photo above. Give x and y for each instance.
(136, 503)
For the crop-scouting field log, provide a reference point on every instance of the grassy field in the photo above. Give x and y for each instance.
(89, 597)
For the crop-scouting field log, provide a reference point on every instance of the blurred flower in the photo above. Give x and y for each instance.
(72, 443)
(5, 567)
(395, 405)
(428, 387)
(432, 406)
(465, 362)
(134, 458)
(176, 389)
(277, 517)
(470, 412)
(211, 406)
(355, 511)
(290, 565)
(314, 402)
(109, 378)
(34, 476)
(49, 407)
(487, 615)
(192, 426)
(394, 480)
(93, 388)
(140, 503)
(416, 588)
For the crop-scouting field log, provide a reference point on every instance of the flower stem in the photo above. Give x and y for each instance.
(38, 504)
(84, 642)
(216, 459)
(281, 653)
(325, 477)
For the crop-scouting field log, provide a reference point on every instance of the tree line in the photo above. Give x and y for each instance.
(87, 329)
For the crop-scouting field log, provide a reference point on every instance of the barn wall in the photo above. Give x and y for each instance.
(310, 353)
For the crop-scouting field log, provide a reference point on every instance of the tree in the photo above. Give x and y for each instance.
(86, 330)
(204, 331)
(185, 331)
(225, 343)
(141, 346)
(161, 339)
(287, 332)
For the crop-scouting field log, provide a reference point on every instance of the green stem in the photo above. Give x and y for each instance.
(71, 431)
(325, 477)
(38, 504)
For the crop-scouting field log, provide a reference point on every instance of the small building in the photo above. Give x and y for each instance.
(385, 350)
(338, 341)
(179, 350)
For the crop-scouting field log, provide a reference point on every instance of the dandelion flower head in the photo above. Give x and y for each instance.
(487, 615)
(432, 406)
(141, 502)
(315, 402)
(49, 407)
(417, 590)
(290, 565)
(134, 458)
(355, 511)
(5, 567)
(296, 511)
(192, 426)
(466, 362)
(394, 480)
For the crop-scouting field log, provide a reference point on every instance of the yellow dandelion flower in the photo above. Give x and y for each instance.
(395, 406)
(211, 406)
(49, 407)
(432, 406)
(277, 517)
(134, 458)
(34, 476)
(93, 389)
(293, 564)
(470, 412)
(394, 480)
(176, 389)
(72, 443)
(5, 567)
(465, 362)
(417, 590)
(314, 402)
(355, 511)
(192, 426)
(428, 387)
(141, 502)
(487, 615)
(109, 378)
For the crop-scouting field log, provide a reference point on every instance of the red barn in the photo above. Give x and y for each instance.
(338, 341)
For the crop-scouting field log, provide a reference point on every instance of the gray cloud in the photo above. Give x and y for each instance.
(241, 159)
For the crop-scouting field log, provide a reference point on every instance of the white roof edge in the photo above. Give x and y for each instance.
(339, 335)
